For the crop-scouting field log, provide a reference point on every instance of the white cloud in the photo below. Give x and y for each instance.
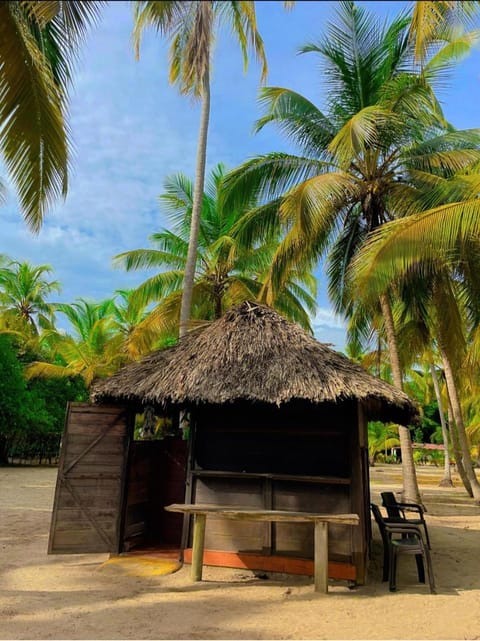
(328, 327)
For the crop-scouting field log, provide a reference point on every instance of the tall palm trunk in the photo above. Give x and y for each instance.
(458, 418)
(456, 450)
(447, 474)
(411, 492)
(189, 278)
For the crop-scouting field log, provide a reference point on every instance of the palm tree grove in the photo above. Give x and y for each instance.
(155, 194)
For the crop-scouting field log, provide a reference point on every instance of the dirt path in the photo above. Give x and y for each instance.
(73, 597)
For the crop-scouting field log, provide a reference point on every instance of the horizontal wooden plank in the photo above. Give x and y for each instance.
(95, 501)
(95, 483)
(327, 480)
(96, 457)
(86, 466)
(73, 513)
(263, 515)
(95, 428)
(245, 492)
(78, 443)
(88, 540)
(81, 525)
(288, 565)
(296, 431)
(229, 534)
(91, 548)
(298, 538)
(85, 408)
(86, 547)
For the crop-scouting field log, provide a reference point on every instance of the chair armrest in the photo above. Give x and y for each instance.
(403, 528)
(411, 507)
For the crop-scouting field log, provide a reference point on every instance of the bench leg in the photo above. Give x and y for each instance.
(321, 557)
(198, 545)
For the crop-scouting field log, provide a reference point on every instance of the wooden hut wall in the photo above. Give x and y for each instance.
(299, 457)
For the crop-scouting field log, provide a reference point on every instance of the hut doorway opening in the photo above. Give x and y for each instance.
(156, 478)
(112, 487)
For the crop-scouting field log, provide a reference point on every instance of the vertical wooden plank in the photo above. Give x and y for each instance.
(61, 465)
(359, 535)
(269, 527)
(127, 459)
(189, 482)
(198, 546)
(321, 557)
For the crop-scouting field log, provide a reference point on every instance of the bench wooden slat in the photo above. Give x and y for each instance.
(201, 510)
(263, 515)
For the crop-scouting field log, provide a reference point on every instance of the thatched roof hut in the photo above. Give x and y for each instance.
(252, 354)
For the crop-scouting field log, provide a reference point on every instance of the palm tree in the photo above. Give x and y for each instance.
(351, 175)
(23, 292)
(129, 315)
(191, 25)
(381, 265)
(381, 437)
(226, 272)
(94, 350)
(39, 41)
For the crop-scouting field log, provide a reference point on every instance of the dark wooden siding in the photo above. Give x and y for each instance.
(298, 457)
(90, 483)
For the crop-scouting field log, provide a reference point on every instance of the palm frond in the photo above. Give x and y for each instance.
(148, 259)
(360, 132)
(297, 118)
(268, 177)
(158, 287)
(423, 238)
(33, 133)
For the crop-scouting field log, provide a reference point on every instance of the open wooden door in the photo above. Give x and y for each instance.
(89, 496)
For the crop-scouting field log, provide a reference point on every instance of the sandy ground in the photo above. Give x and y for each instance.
(75, 597)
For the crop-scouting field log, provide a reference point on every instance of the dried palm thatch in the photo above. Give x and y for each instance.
(252, 354)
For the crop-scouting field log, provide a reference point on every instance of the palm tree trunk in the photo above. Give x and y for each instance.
(447, 474)
(218, 305)
(456, 450)
(188, 282)
(411, 492)
(458, 418)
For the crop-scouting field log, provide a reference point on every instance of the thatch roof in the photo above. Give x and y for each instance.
(251, 354)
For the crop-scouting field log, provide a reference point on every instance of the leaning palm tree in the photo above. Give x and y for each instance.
(39, 41)
(192, 25)
(24, 290)
(350, 177)
(387, 258)
(226, 272)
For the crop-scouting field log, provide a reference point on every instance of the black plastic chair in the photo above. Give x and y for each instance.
(410, 542)
(397, 512)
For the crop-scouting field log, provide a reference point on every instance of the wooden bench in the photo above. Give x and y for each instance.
(321, 521)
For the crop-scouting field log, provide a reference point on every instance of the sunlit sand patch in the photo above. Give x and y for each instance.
(140, 565)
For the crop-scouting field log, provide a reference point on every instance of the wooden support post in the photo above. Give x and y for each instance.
(198, 545)
(321, 556)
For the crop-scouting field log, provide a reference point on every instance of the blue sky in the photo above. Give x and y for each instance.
(131, 129)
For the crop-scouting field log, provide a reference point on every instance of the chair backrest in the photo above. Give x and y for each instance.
(380, 522)
(390, 504)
